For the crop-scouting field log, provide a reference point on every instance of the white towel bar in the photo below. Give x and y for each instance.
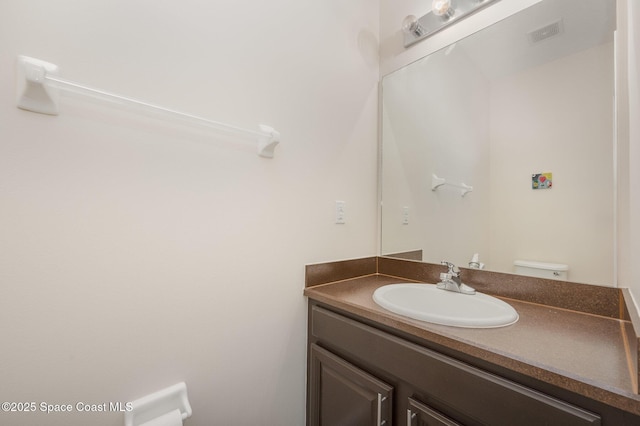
(437, 181)
(39, 86)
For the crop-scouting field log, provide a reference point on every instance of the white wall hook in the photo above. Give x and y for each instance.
(38, 88)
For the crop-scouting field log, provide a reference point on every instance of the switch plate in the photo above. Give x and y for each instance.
(340, 212)
(405, 215)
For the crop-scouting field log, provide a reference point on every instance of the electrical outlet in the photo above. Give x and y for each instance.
(340, 212)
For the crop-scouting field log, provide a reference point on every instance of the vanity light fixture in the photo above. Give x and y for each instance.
(442, 14)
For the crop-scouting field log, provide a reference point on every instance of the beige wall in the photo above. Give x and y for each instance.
(137, 252)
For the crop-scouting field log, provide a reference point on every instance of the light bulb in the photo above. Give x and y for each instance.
(410, 25)
(442, 8)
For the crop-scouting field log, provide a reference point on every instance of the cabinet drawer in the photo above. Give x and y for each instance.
(419, 414)
(464, 393)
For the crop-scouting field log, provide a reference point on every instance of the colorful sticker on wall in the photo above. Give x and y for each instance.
(541, 180)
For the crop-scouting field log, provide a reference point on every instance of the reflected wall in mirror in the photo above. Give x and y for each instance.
(531, 94)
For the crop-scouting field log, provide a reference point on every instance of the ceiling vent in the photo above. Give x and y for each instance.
(548, 31)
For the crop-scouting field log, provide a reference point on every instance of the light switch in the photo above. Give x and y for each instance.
(340, 212)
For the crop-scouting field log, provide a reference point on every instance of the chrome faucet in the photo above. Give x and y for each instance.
(451, 280)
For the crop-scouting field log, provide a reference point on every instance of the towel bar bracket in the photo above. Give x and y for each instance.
(33, 93)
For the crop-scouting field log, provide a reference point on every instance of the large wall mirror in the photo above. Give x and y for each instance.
(523, 112)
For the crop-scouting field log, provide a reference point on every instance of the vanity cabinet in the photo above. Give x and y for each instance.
(361, 375)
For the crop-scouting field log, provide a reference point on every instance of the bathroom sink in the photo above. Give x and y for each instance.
(425, 302)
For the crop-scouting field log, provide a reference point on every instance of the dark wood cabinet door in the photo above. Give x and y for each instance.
(341, 394)
(419, 414)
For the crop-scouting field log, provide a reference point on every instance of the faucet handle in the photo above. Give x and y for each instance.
(451, 268)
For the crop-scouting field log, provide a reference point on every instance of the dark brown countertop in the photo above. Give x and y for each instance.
(581, 352)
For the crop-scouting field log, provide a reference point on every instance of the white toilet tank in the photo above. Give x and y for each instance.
(550, 271)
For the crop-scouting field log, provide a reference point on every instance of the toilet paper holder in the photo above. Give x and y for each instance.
(158, 404)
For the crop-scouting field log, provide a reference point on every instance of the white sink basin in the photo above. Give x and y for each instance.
(425, 302)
